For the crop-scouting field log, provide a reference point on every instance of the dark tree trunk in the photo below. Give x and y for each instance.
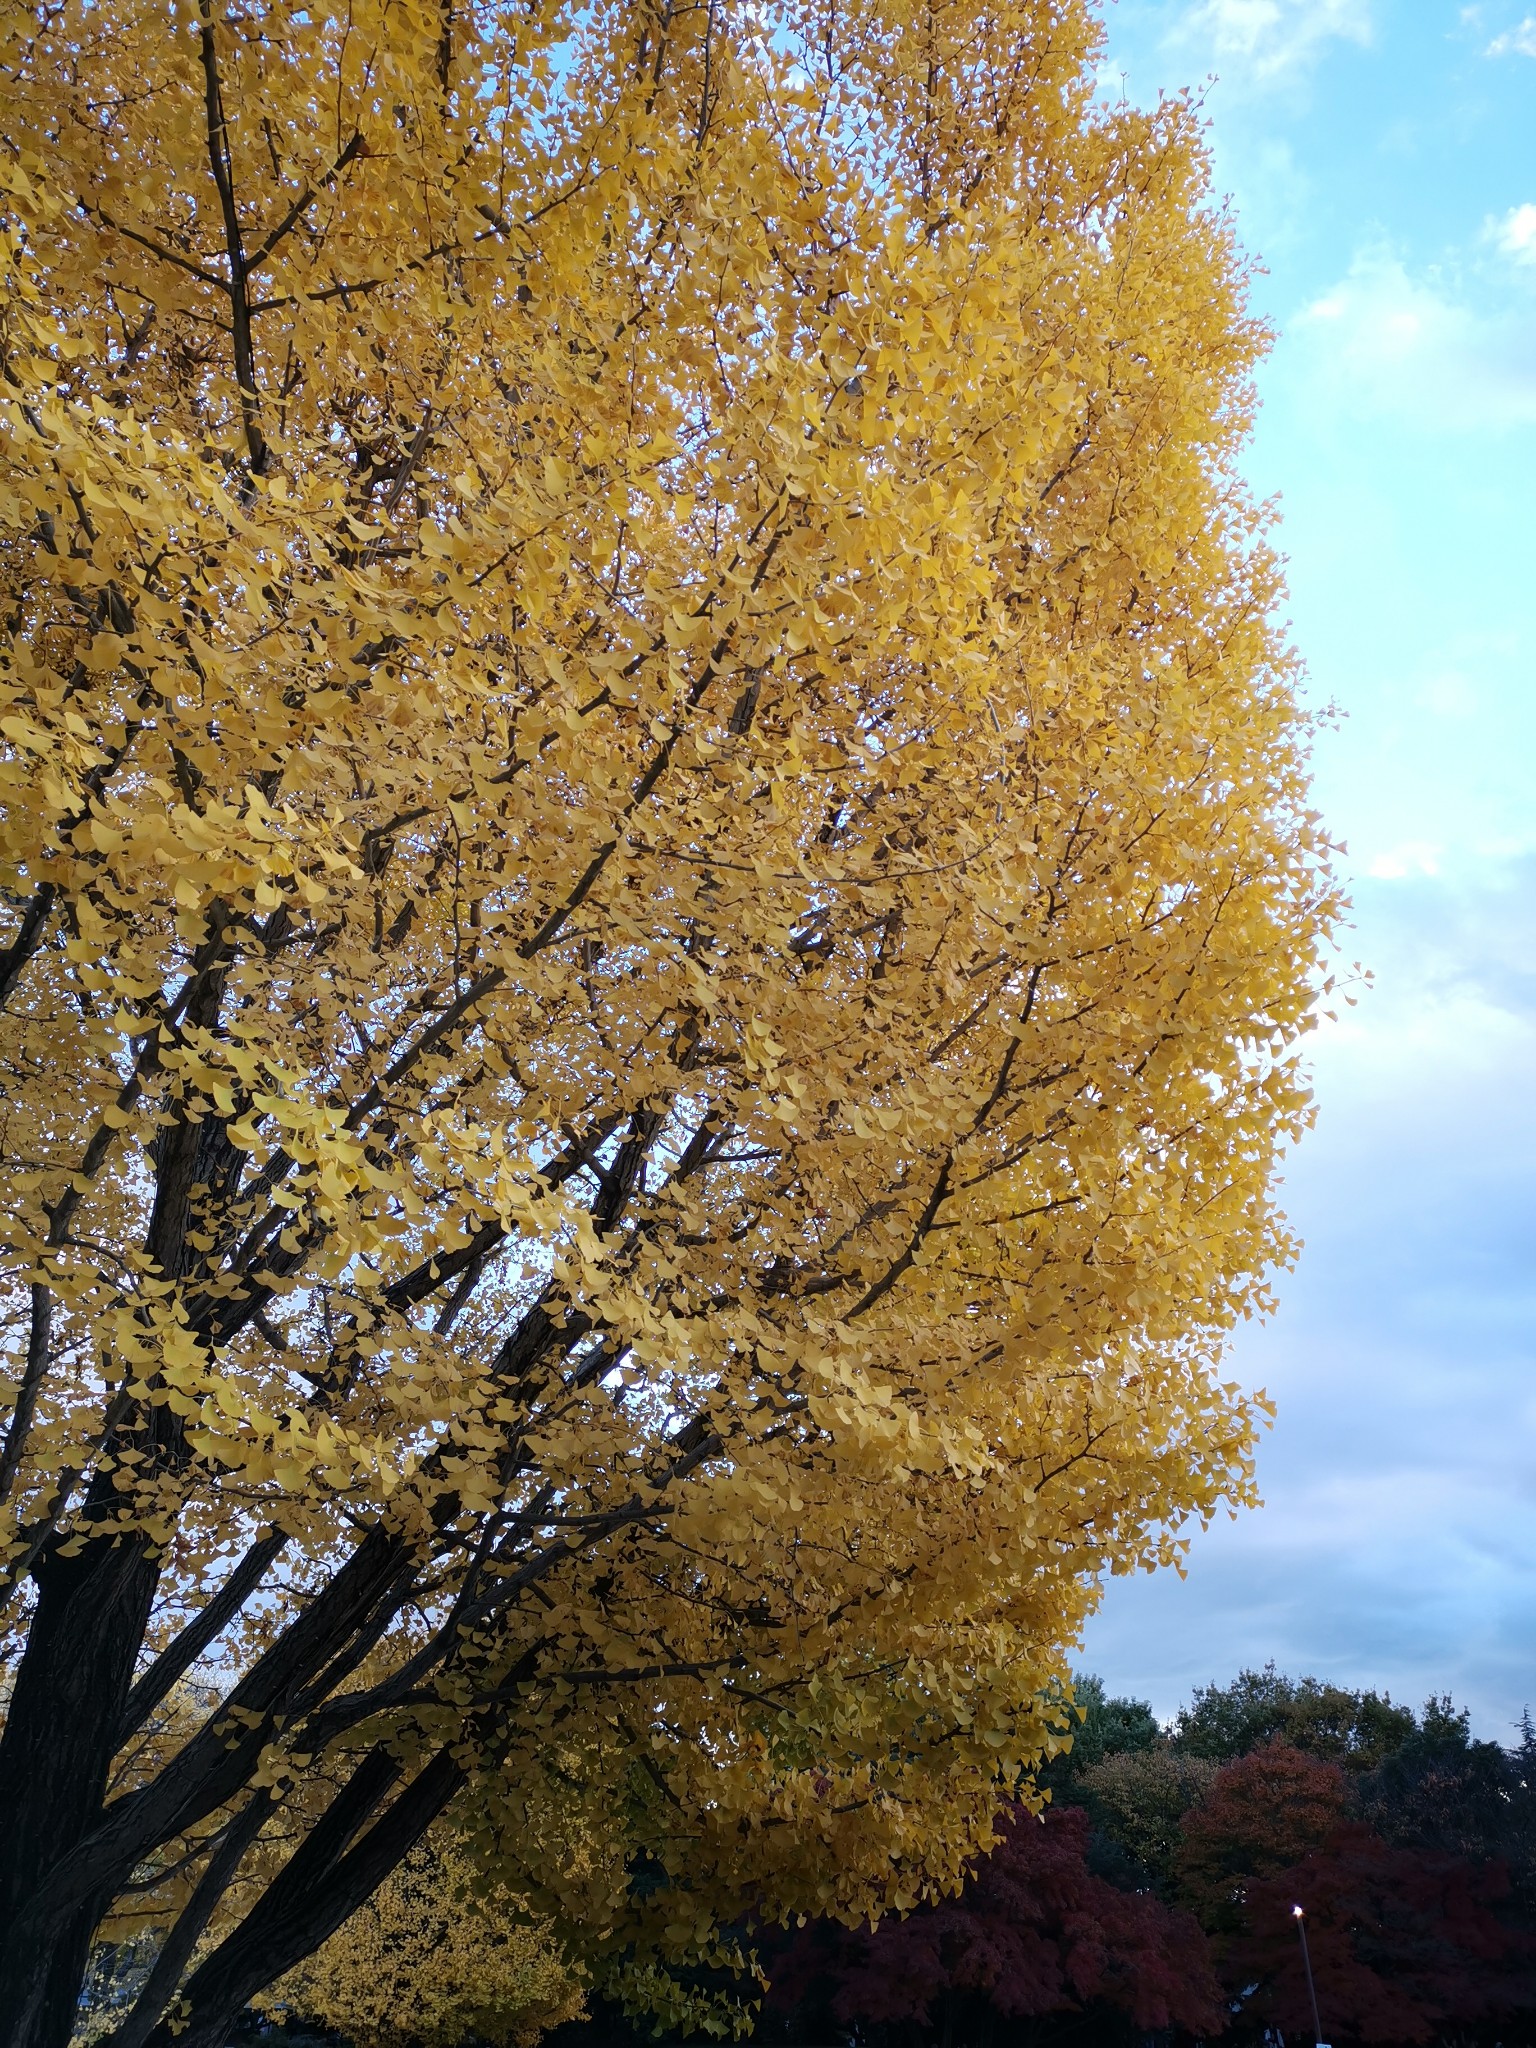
(60, 1736)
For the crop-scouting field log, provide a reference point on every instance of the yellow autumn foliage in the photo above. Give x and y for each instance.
(429, 1962)
(658, 906)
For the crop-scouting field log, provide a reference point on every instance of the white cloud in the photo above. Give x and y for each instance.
(1397, 1544)
(1519, 41)
(1515, 234)
(1267, 38)
(1386, 342)
(1414, 857)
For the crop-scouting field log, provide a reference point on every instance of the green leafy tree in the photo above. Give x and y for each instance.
(1105, 1727)
(1447, 1792)
(1357, 1730)
(1139, 1801)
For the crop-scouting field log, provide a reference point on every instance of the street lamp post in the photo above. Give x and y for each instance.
(1306, 1959)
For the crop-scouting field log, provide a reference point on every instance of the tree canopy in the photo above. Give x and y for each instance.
(659, 904)
(1162, 1891)
(1356, 1730)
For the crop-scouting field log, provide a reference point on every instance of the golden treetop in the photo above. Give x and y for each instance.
(659, 887)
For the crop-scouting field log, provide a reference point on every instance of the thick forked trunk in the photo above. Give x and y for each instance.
(60, 1736)
(67, 1715)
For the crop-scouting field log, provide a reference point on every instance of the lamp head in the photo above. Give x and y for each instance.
(1298, 1913)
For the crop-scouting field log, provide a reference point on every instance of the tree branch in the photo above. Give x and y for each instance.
(240, 306)
(157, 248)
(176, 1950)
(41, 1323)
(316, 1890)
(264, 248)
(179, 1656)
(14, 959)
(920, 1230)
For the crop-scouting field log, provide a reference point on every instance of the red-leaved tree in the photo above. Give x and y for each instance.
(1263, 1814)
(1403, 1941)
(1034, 1932)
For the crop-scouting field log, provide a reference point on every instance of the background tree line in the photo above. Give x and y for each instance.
(1154, 1895)
(1151, 1901)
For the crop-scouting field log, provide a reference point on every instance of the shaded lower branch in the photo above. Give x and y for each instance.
(321, 1885)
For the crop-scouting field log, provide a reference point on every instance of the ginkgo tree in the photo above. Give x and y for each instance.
(659, 903)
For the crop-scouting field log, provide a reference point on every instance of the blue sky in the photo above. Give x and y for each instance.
(1381, 156)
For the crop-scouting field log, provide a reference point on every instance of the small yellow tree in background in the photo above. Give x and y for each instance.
(656, 905)
(430, 1961)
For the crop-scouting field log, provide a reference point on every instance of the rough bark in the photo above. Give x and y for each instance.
(60, 1735)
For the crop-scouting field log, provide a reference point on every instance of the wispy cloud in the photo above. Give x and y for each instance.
(1519, 41)
(1387, 342)
(1269, 38)
(1515, 234)
(1396, 1548)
